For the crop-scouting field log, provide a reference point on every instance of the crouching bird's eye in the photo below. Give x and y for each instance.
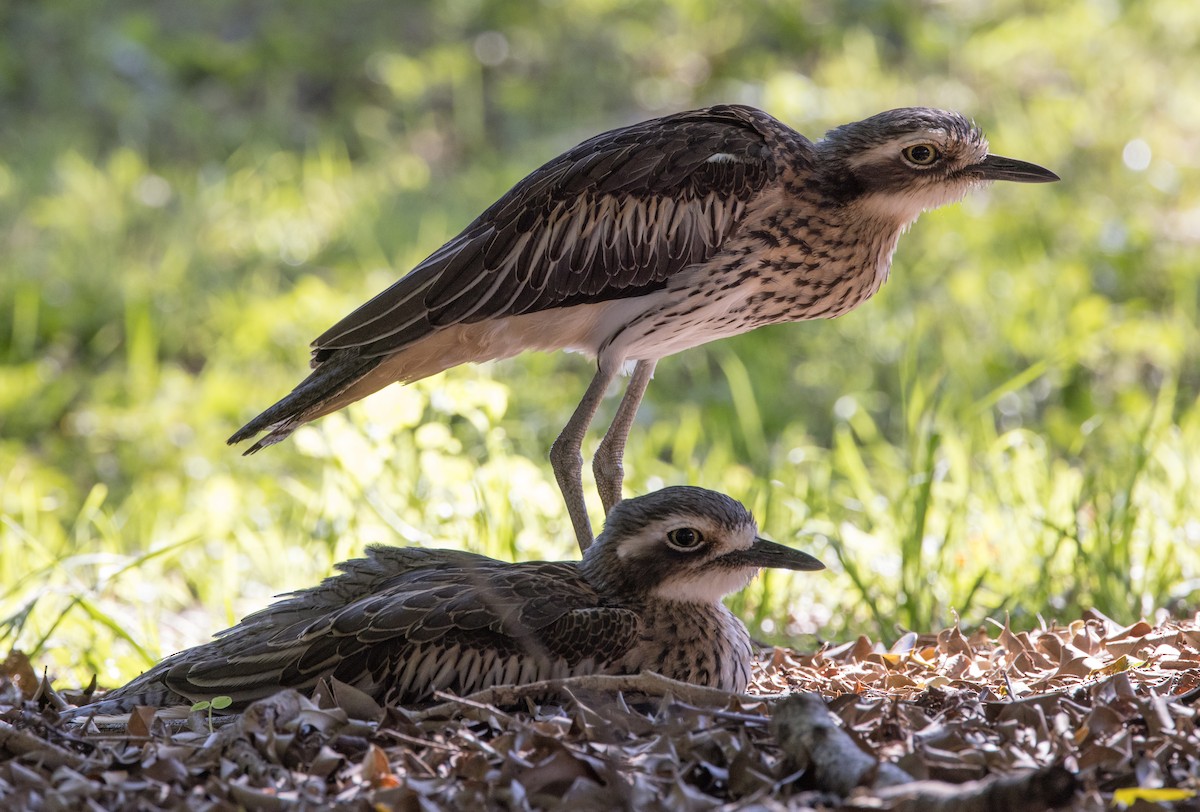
(921, 154)
(684, 538)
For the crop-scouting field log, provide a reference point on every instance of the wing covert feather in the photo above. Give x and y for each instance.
(615, 216)
(544, 611)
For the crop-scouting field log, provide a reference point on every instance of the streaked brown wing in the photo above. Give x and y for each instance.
(541, 610)
(613, 217)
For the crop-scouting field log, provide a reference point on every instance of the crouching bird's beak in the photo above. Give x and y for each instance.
(763, 553)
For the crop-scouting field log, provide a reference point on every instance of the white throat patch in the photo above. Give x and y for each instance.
(708, 587)
(901, 208)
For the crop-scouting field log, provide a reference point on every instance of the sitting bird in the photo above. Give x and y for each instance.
(648, 240)
(404, 622)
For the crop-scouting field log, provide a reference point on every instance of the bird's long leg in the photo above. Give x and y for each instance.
(607, 464)
(565, 456)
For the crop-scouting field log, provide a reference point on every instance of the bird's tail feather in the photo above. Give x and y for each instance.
(124, 700)
(316, 395)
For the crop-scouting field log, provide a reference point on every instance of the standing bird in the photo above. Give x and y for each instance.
(648, 240)
(403, 623)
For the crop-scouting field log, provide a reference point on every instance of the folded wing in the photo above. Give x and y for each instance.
(402, 624)
(616, 216)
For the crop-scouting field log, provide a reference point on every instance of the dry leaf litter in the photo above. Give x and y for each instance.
(1112, 708)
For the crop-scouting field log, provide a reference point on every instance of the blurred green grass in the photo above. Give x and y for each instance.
(189, 193)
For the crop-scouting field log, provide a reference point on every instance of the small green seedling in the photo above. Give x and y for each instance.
(216, 703)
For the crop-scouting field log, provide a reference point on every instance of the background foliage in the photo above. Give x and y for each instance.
(190, 192)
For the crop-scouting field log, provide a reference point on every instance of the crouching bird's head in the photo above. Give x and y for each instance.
(683, 544)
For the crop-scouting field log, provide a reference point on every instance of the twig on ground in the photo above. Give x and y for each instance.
(1044, 788)
(647, 682)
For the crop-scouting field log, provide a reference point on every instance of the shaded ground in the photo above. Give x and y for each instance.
(1115, 707)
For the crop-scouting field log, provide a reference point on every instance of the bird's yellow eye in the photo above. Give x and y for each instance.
(921, 154)
(684, 538)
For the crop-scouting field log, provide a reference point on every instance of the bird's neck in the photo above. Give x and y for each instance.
(605, 573)
(691, 614)
(830, 258)
(876, 229)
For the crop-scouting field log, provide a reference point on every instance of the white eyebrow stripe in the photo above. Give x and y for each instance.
(882, 152)
(937, 135)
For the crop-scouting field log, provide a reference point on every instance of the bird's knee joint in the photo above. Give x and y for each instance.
(564, 456)
(606, 468)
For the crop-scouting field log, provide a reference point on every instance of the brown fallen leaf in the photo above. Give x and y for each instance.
(140, 720)
(376, 770)
(555, 773)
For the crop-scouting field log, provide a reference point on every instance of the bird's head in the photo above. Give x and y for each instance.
(683, 544)
(898, 163)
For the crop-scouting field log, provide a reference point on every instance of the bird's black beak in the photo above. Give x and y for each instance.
(994, 167)
(763, 553)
